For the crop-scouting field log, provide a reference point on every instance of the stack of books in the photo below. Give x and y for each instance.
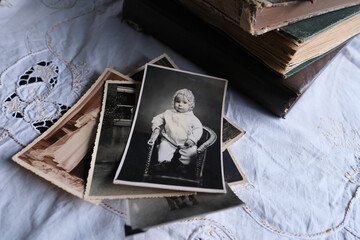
(156, 137)
(270, 50)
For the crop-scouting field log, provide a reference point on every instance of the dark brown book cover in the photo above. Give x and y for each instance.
(216, 53)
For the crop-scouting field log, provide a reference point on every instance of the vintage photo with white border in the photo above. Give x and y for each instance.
(62, 153)
(175, 140)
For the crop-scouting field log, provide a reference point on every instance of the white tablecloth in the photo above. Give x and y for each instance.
(303, 171)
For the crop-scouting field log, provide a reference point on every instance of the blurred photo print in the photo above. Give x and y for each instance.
(141, 212)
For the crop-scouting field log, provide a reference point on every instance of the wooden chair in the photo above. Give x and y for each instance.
(207, 139)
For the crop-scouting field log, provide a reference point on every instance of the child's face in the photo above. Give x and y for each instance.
(181, 104)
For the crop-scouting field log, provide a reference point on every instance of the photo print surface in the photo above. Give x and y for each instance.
(231, 133)
(175, 140)
(141, 212)
(116, 116)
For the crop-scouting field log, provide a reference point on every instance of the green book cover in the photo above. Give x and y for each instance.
(306, 29)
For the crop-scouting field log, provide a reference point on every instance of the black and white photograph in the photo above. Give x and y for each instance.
(146, 213)
(117, 113)
(175, 140)
(231, 133)
(233, 173)
(162, 60)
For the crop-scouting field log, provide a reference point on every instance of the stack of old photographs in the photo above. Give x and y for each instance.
(161, 141)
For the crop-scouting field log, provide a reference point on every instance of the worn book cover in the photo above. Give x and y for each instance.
(260, 16)
(294, 46)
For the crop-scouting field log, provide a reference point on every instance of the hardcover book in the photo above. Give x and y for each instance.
(260, 16)
(215, 52)
(292, 47)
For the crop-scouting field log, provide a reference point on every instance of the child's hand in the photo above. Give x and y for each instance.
(189, 143)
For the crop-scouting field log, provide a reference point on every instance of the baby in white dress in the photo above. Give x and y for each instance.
(180, 130)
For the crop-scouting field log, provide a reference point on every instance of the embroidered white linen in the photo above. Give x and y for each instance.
(304, 171)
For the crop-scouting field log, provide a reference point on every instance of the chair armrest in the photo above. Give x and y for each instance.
(148, 160)
(208, 142)
(155, 136)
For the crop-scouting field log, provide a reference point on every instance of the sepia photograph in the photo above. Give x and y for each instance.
(146, 213)
(119, 103)
(62, 154)
(175, 140)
